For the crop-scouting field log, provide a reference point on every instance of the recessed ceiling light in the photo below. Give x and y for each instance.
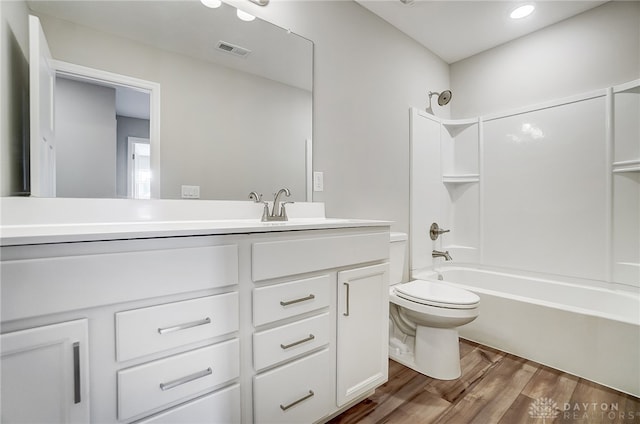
(522, 11)
(213, 4)
(245, 16)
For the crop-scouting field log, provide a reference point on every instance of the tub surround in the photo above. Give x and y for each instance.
(183, 311)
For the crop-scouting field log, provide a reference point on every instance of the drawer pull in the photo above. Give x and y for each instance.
(302, 299)
(291, 405)
(192, 324)
(307, 339)
(183, 380)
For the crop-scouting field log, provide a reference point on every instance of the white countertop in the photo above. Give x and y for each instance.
(40, 221)
(12, 235)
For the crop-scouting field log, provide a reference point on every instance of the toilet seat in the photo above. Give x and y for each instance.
(436, 294)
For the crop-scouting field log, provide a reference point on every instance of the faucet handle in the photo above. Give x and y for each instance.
(283, 211)
(257, 198)
(435, 231)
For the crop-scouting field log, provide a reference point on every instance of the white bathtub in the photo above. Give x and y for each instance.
(591, 332)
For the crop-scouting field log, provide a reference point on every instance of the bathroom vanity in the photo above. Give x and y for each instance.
(207, 321)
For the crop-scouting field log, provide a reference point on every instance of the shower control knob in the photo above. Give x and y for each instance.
(435, 231)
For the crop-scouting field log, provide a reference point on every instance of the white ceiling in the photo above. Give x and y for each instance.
(455, 30)
(187, 27)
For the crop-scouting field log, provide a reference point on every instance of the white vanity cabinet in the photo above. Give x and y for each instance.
(159, 318)
(254, 327)
(363, 307)
(322, 346)
(45, 374)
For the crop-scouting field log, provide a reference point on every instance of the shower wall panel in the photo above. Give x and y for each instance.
(545, 190)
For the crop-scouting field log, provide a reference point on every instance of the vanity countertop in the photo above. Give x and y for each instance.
(40, 220)
(11, 235)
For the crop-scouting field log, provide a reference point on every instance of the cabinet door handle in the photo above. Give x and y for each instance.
(346, 314)
(291, 405)
(302, 299)
(306, 339)
(76, 373)
(184, 326)
(186, 379)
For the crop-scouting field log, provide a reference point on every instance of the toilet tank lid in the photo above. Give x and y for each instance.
(395, 236)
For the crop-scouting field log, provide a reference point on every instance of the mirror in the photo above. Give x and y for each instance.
(235, 99)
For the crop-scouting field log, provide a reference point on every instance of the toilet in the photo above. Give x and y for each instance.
(424, 319)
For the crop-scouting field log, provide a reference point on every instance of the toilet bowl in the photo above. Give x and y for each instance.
(429, 312)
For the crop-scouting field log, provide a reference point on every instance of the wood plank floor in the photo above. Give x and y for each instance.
(495, 388)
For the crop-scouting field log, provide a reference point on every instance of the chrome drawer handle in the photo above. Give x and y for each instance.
(291, 405)
(302, 299)
(307, 339)
(183, 380)
(192, 324)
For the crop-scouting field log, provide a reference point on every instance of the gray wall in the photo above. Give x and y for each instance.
(596, 49)
(127, 127)
(85, 139)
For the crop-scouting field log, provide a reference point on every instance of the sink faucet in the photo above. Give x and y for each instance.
(439, 254)
(278, 211)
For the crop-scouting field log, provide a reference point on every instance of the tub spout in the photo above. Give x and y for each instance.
(439, 254)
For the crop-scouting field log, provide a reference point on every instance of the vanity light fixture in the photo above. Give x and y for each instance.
(212, 4)
(522, 11)
(242, 15)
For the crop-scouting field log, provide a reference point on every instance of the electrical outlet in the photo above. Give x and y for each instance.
(318, 181)
(190, 192)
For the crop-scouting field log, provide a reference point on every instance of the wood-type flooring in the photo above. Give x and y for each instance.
(495, 388)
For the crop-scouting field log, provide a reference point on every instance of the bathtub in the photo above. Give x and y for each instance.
(591, 332)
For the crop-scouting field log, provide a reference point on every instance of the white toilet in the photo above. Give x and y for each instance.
(425, 316)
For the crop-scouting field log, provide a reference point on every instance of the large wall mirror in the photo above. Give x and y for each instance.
(176, 93)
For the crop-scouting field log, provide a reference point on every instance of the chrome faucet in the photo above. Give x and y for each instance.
(278, 211)
(439, 254)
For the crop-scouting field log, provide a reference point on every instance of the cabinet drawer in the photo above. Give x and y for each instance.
(289, 257)
(285, 300)
(176, 378)
(221, 407)
(299, 392)
(148, 330)
(33, 287)
(279, 344)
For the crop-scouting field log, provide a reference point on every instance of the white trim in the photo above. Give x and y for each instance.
(130, 149)
(546, 105)
(104, 77)
(608, 190)
(309, 169)
(626, 86)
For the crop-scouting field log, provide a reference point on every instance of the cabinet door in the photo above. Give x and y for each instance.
(363, 331)
(45, 374)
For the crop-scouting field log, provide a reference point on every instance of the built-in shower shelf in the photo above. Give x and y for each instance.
(455, 126)
(460, 178)
(626, 166)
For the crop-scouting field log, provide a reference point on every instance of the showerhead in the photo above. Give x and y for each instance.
(443, 98)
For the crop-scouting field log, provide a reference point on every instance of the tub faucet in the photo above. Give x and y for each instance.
(439, 254)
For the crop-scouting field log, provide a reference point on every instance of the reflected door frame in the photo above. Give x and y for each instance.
(97, 76)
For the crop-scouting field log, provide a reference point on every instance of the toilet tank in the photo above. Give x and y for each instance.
(397, 251)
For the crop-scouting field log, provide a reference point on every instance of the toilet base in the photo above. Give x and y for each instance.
(437, 352)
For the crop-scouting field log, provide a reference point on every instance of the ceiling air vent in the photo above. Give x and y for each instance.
(233, 49)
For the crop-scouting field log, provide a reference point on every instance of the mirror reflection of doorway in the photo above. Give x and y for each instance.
(138, 168)
(93, 122)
